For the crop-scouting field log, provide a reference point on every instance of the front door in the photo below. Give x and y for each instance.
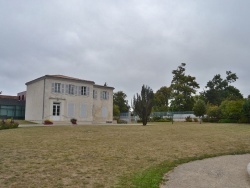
(56, 111)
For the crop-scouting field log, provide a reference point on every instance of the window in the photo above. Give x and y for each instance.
(71, 89)
(83, 90)
(104, 112)
(56, 109)
(94, 94)
(84, 110)
(57, 88)
(105, 95)
(71, 110)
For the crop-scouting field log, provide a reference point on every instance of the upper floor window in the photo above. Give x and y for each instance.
(71, 89)
(94, 94)
(105, 95)
(57, 88)
(83, 90)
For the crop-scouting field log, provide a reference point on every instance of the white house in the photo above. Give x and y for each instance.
(60, 98)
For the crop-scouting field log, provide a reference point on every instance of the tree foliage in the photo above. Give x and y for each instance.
(119, 99)
(231, 109)
(183, 87)
(199, 108)
(116, 111)
(246, 109)
(143, 103)
(161, 99)
(219, 89)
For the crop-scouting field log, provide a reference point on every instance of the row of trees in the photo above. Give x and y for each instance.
(181, 95)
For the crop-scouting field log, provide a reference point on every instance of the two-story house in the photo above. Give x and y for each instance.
(60, 98)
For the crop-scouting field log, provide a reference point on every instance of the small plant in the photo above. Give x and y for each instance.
(73, 120)
(195, 119)
(47, 122)
(188, 119)
(8, 124)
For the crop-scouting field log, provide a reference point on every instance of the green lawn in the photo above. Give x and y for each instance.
(110, 155)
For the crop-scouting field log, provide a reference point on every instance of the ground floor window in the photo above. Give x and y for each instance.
(56, 109)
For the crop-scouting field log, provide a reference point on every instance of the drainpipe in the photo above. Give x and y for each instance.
(43, 97)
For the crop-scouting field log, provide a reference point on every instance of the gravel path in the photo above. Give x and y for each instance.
(219, 172)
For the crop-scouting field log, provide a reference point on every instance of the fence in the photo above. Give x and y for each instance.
(177, 116)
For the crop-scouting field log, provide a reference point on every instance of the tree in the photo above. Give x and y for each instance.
(219, 89)
(213, 112)
(232, 109)
(183, 87)
(116, 111)
(199, 109)
(161, 98)
(119, 99)
(246, 110)
(143, 103)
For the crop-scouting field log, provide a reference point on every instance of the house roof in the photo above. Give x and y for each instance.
(10, 100)
(61, 77)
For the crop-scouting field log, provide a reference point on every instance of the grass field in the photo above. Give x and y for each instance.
(109, 155)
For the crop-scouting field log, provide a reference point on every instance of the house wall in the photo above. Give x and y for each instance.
(82, 105)
(102, 108)
(34, 101)
(39, 102)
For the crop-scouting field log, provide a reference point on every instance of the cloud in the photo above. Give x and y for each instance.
(123, 43)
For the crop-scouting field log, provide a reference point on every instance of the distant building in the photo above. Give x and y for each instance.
(60, 98)
(11, 107)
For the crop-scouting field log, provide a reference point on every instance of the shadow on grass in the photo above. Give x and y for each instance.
(153, 176)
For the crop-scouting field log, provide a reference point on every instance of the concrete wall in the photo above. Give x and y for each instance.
(34, 101)
(102, 108)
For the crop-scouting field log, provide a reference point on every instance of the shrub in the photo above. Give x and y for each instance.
(47, 122)
(73, 120)
(188, 119)
(195, 119)
(120, 121)
(228, 121)
(8, 124)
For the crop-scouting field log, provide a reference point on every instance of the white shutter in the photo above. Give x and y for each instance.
(107, 95)
(67, 89)
(83, 111)
(79, 90)
(62, 91)
(53, 88)
(101, 95)
(87, 91)
(75, 90)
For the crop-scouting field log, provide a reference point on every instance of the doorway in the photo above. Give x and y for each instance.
(56, 111)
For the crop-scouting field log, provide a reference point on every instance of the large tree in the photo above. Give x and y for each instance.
(120, 100)
(183, 88)
(143, 103)
(219, 89)
(161, 99)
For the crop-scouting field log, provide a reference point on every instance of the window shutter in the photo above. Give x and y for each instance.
(87, 91)
(53, 88)
(101, 95)
(67, 89)
(62, 91)
(79, 90)
(107, 95)
(75, 90)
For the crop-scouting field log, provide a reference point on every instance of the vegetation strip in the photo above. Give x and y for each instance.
(153, 176)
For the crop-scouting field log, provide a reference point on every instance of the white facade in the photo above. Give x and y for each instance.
(60, 98)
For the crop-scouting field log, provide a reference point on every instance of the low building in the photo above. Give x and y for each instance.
(60, 98)
(11, 107)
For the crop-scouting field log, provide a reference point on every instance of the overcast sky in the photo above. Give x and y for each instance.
(124, 43)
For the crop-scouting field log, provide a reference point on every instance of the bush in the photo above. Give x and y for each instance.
(228, 121)
(120, 121)
(73, 120)
(195, 119)
(8, 124)
(47, 122)
(188, 119)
